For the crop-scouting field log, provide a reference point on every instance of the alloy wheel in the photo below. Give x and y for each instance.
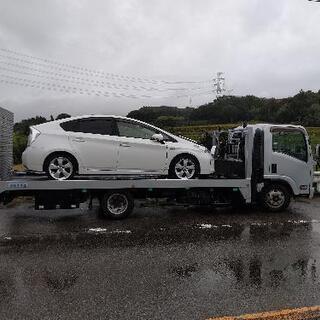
(185, 168)
(60, 168)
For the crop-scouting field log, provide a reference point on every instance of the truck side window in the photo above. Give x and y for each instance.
(290, 142)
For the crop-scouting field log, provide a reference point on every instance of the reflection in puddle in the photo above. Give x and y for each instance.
(277, 230)
(6, 287)
(185, 271)
(237, 268)
(301, 265)
(255, 272)
(276, 277)
(60, 282)
(269, 263)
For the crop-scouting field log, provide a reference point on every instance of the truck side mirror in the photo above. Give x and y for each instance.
(318, 151)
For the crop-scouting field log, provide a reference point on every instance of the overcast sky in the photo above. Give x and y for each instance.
(267, 48)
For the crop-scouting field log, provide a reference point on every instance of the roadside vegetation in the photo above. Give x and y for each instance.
(303, 108)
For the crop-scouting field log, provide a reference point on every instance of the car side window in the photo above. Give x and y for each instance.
(134, 130)
(90, 125)
(290, 142)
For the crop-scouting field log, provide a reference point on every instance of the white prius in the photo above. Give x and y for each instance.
(112, 145)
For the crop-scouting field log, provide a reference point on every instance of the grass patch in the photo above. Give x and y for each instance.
(194, 132)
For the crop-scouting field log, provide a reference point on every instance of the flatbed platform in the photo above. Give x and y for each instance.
(52, 194)
(26, 182)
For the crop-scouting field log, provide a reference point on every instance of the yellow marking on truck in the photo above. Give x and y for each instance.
(285, 314)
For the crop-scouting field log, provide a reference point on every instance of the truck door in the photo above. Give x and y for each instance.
(290, 158)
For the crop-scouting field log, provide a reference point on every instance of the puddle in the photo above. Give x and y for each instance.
(59, 283)
(185, 271)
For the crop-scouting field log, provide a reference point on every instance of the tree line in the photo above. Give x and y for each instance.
(303, 108)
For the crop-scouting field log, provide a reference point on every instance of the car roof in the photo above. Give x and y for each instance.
(93, 116)
(56, 123)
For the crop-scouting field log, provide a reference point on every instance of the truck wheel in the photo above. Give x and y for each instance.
(275, 197)
(116, 205)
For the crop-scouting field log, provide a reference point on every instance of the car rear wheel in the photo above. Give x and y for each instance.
(60, 167)
(184, 167)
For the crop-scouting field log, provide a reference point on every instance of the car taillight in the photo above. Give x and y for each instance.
(33, 135)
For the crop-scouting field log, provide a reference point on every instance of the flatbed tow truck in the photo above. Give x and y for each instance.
(261, 164)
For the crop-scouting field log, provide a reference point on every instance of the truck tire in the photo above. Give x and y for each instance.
(275, 197)
(116, 204)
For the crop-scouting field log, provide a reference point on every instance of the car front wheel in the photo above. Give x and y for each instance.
(184, 167)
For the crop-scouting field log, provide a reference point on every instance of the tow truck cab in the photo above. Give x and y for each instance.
(269, 155)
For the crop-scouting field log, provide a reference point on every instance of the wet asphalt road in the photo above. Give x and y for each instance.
(165, 263)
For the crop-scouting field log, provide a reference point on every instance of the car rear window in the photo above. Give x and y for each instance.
(94, 126)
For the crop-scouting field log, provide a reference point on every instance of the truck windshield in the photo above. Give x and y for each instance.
(291, 142)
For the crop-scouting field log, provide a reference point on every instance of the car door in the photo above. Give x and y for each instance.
(93, 140)
(137, 152)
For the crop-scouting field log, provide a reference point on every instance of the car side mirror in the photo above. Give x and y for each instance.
(157, 137)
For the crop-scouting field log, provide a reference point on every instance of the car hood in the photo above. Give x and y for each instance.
(188, 143)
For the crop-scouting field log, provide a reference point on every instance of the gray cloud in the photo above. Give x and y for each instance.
(267, 48)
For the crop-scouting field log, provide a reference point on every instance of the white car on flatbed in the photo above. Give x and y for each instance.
(112, 145)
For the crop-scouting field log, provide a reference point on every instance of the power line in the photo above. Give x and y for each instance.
(93, 72)
(31, 67)
(12, 80)
(36, 67)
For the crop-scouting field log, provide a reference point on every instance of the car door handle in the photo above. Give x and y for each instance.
(79, 140)
(125, 145)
